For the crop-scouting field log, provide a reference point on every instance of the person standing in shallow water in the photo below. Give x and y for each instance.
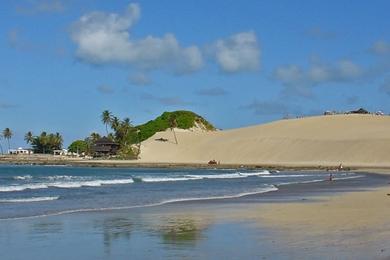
(331, 177)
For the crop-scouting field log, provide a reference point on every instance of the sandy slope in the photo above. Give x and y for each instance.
(354, 140)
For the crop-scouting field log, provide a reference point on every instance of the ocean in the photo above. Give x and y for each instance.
(35, 191)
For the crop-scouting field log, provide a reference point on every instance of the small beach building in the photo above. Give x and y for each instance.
(21, 150)
(62, 152)
(104, 147)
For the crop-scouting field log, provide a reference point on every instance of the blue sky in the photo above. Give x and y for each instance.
(237, 63)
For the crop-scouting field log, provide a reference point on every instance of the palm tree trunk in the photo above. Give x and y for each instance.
(174, 134)
(9, 147)
(1, 148)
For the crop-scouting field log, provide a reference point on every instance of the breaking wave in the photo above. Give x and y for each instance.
(33, 199)
(65, 184)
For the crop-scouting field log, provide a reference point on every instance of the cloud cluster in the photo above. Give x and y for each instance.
(166, 101)
(381, 48)
(17, 41)
(139, 79)
(239, 52)
(31, 7)
(320, 34)
(343, 70)
(105, 89)
(385, 87)
(264, 108)
(212, 92)
(300, 81)
(4, 105)
(105, 38)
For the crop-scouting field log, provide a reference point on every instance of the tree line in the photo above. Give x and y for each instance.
(122, 132)
(44, 143)
(7, 135)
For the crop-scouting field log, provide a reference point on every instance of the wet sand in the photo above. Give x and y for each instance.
(347, 219)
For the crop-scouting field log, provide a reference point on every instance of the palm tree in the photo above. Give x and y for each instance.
(43, 139)
(58, 140)
(115, 122)
(172, 125)
(94, 137)
(7, 133)
(106, 118)
(1, 147)
(123, 130)
(28, 137)
(111, 136)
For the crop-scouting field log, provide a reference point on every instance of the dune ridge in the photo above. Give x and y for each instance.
(353, 140)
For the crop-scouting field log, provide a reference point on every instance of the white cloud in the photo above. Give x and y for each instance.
(300, 81)
(212, 92)
(386, 86)
(166, 100)
(272, 108)
(41, 6)
(104, 38)
(288, 74)
(381, 48)
(139, 79)
(17, 41)
(105, 89)
(239, 52)
(320, 34)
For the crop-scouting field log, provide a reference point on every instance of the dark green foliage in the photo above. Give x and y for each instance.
(46, 143)
(184, 120)
(128, 136)
(79, 146)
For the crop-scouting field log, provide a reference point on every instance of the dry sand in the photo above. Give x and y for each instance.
(355, 140)
(345, 212)
(355, 224)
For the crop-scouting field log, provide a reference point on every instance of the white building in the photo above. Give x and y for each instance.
(60, 152)
(20, 150)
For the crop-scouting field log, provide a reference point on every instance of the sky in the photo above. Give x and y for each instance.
(236, 63)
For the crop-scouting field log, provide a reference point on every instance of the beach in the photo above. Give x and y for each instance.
(320, 142)
(276, 191)
(347, 218)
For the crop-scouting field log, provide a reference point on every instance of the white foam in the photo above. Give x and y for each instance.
(259, 191)
(254, 173)
(164, 179)
(219, 176)
(72, 211)
(287, 175)
(192, 177)
(33, 199)
(23, 187)
(95, 183)
(65, 184)
(61, 177)
(230, 175)
(24, 177)
(346, 178)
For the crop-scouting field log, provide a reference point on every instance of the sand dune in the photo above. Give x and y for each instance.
(354, 140)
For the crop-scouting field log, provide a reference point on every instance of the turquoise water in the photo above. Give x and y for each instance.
(31, 191)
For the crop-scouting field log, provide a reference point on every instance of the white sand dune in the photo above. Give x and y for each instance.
(354, 140)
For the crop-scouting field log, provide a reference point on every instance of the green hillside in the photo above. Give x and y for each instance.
(184, 120)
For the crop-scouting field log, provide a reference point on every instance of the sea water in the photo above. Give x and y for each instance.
(33, 191)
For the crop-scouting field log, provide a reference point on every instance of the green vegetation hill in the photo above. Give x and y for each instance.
(183, 119)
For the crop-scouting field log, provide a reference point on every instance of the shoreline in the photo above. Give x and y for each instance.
(45, 160)
(303, 192)
(340, 219)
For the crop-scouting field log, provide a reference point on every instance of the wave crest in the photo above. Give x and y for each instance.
(26, 200)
